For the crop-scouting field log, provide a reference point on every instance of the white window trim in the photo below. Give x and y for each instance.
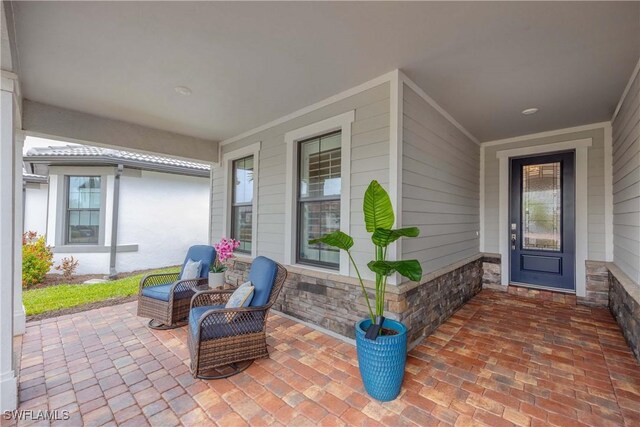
(104, 184)
(227, 170)
(608, 192)
(58, 199)
(581, 147)
(342, 123)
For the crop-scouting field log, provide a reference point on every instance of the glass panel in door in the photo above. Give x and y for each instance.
(541, 207)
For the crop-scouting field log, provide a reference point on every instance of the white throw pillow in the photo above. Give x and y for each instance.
(191, 270)
(241, 297)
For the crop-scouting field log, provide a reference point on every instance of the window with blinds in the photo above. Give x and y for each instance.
(319, 184)
(83, 209)
(242, 203)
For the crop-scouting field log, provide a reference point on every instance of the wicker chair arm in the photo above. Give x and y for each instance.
(189, 284)
(241, 310)
(211, 297)
(158, 279)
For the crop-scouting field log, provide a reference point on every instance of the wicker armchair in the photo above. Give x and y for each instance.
(223, 342)
(165, 299)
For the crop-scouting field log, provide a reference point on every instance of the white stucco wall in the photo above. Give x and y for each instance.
(164, 214)
(35, 208)
(160, 216)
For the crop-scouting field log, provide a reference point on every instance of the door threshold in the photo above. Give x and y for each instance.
(542, 293)
(543, 288)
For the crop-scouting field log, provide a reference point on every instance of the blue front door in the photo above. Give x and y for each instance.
(541, 230)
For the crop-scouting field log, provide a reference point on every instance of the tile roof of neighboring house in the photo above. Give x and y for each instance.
(32, 177)
(87, 154)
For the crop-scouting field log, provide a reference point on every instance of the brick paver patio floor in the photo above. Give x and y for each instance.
(500, 360)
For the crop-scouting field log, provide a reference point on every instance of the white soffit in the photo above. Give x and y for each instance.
(250, 63)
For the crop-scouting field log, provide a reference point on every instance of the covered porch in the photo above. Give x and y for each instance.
(437, 116)
(500, 360)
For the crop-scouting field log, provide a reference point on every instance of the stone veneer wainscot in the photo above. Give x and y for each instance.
(597, 285)
(492, 272)
(624, 303)
(335, 302)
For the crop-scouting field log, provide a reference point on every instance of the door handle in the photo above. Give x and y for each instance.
(514, 236)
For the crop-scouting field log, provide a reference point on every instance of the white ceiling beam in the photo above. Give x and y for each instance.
(52, 122)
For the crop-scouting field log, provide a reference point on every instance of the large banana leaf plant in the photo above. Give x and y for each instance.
(379, 218)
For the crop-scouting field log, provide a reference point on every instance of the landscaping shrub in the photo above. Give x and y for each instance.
(68, 267)
(37, 258)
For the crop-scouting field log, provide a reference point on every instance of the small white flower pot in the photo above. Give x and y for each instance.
(216, 279)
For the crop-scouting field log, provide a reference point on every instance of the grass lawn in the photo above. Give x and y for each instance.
(37, 301)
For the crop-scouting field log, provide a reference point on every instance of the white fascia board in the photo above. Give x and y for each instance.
(48, 121)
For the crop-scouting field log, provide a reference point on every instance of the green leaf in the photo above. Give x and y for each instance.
(378, 212)
(337, 239)
(411, 269)
(383, 237)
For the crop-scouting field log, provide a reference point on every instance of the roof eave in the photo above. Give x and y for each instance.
(110, 161)
(39, 179)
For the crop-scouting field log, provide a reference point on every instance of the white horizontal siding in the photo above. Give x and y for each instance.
(626, 183)
(440, 186)
(369, 160)
(217, 193)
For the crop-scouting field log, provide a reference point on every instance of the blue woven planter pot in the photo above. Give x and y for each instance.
(382, 361)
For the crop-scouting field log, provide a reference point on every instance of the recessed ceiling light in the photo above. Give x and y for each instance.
(529, 111)
(183, 90)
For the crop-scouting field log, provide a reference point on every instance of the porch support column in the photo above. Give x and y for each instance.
(113, 274)
(19, 316)
(8, 380)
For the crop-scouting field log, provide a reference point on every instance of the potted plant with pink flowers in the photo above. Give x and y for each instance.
(224, 252)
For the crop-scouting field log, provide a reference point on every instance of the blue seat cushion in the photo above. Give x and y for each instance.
(223, 329)
(196, 312)
(161, 292)
(262, 276)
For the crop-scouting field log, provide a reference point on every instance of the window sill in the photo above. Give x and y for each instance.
(320, 273)
(317, 268)
(248, 259)
(92, 249)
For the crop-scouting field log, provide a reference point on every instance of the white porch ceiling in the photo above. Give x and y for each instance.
(250, 63)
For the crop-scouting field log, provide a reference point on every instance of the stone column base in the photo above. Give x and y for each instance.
(597, 285)
(492, 273)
